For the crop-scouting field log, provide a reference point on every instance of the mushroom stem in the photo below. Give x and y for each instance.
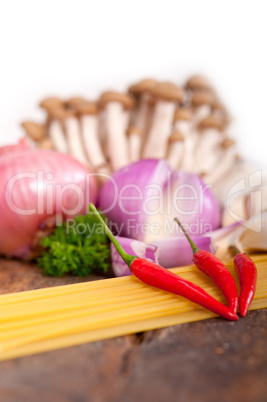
(89, 119)
(89, 124)
(185, 128)
(117, 141)
(207, 152)
(166, 96)
(55, 129)
(224, 164)
(139, 127)
(178, 140)
(201, 105)
(135, 135)
(46, 143)
(116, 106)
(200, 113)
(156, 144)
(57, 136)
(176, 149)
(74, 140)
(143, 112)
(142, 116)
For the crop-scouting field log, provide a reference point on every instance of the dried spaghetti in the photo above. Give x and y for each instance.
(52, 318)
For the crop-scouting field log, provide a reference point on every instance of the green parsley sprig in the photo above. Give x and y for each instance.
(80, 247)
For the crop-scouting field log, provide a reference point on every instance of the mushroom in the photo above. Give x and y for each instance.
(141, 118)
(225, 162)
(55, 129)
(166, 95)
(116, 106)
(178, 139)
(135, 135)
(71, 126)
(51, 103)
(46, 143)
(176, 149)
(210, 136)
(88, 113)
(219, 110)
(34, 131)
(66, 121)
(199, 82)
(202, 102)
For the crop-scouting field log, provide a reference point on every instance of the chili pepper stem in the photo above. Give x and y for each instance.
(195, 249)
(233, 250)
(127, 258)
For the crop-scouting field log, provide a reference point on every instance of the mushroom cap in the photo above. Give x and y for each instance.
(176, 136)
(82, 106)
(227, 143)
(88, 108)
(35, 131)
(202, 97)
(126, 100)
(217, 105)
(167, 91)
(198, 82)
(142, 86)
(212, 122)
(182, 114)
(61, 113)
(220, 108)
(135, 130)
(50, 103)
(74, 102)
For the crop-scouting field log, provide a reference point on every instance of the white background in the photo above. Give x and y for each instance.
(81, 47)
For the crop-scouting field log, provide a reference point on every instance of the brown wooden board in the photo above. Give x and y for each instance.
(209, 361)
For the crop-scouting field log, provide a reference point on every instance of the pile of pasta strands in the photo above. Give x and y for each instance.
(47, 319)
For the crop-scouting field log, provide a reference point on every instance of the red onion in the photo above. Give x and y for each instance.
(132, 247)
(35, 185)
(21, 146)
(143, 199)
(176, 251)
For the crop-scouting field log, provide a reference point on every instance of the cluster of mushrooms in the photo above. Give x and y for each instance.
(186, 125)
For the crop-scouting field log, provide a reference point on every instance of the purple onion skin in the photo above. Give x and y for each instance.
(140, 173)
(176, 251)
(208, 214)
(132, 247)
(199, 211)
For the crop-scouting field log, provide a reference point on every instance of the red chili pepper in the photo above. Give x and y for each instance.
(159, 277)
(216, 270)
(247, 275)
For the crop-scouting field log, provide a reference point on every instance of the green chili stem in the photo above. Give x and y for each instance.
(128, 259)
(234, 250)
(195, 249)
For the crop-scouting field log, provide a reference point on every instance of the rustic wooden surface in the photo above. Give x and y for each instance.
(206, 361)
